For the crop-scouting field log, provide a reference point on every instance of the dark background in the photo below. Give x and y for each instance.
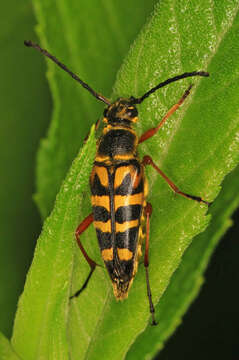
(210, 329)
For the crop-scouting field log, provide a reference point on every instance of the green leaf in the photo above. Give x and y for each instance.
(6, 351)
(196, 148)
(42, 317)
(93, 49)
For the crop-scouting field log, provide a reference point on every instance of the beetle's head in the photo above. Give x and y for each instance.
(121, 112)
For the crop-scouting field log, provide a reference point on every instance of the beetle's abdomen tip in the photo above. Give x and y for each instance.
(121, 290)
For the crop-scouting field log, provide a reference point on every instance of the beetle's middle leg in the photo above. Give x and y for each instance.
(147, 160)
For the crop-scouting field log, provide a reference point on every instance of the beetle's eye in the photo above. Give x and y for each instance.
(132, 112)
(105, 113)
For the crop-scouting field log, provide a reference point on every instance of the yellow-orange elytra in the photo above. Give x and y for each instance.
(125, 254)
(107, 254)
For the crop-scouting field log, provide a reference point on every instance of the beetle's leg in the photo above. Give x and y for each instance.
(148, 212)
(80, 229)
(151, 132)
(97, 124)
(147, 160)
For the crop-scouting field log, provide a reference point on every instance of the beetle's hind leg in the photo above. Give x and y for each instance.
(148, 212)
(80, 229)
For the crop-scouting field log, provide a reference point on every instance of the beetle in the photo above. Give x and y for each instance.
(119, 188)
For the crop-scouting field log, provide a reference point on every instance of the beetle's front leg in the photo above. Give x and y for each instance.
(151, 132)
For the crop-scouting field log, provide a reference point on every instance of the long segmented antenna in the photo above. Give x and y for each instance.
(64, 67)
(166, 82)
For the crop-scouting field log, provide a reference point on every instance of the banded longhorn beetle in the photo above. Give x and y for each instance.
(119, 188)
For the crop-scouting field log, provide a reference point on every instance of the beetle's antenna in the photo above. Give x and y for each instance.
(74, 76)
(166, 82)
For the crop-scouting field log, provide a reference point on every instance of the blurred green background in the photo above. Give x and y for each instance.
(25, 104)
(26, 107)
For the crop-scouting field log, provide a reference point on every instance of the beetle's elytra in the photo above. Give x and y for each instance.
(120, 211)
